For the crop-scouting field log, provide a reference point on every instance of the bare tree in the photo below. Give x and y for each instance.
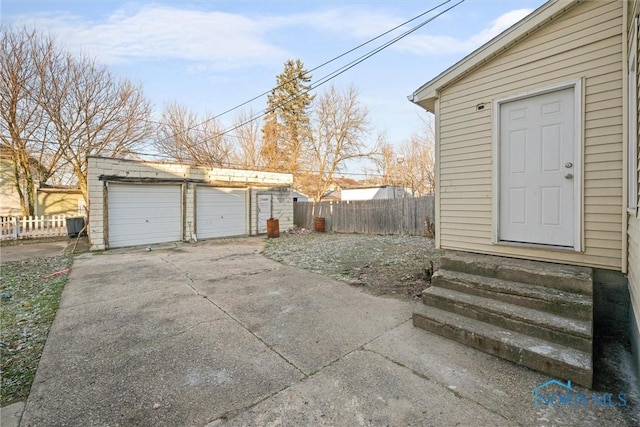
(415, 162)
(340, 127)
(248, 142)
(411, 164)
(416, 167)
(186, 137)
(386, 164)
(57, 109)
(92, 112)
(25, 132)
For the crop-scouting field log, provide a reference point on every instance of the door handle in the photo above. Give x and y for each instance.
(569, 176)
(568, 165)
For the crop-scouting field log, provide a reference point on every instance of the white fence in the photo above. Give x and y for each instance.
(33, 227)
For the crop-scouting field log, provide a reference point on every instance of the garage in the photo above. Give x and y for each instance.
(141, 214)
(220, 212)
(139, 202)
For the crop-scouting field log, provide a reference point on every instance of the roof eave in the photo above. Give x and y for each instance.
(427, 102)
(426, 95)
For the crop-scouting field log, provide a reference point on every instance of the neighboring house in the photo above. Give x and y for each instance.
(537, 145)
(50, 200)
(60, 201)
(332, 195)
(375, 193)
(139, 203)
(299, 196)
(334, 192)
(9, 199)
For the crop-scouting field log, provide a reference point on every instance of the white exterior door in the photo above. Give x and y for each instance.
(264, 212)
(220, 212)
(144, 214)
(537, 196)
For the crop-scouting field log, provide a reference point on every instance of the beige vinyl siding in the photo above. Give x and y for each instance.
(633, 229)
(61, 202)
(636, 13)
(585, 43)
(9, 200)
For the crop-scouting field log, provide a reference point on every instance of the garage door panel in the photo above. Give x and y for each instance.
(144, 214)
(221, 212)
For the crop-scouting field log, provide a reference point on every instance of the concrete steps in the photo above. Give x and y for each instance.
(562, 330)
(556, 276)
(554, 359)
(537, 314)
(539, 297)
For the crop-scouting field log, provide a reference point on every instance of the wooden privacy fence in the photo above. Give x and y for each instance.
(410, 216)
(33, 227)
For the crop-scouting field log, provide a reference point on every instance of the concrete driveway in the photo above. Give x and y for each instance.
(217, 334)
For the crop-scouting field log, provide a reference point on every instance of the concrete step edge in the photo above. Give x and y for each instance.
(564, 277)
(524, 294)
(540, 355)
(507, 313)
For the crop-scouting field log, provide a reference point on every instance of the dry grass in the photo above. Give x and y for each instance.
(395, 266)
(29, 307)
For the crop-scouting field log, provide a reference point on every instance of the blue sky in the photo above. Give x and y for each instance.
(213, 55)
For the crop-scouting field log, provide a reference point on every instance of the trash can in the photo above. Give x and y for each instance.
(273, 228)
(75, 224)
(319, 224)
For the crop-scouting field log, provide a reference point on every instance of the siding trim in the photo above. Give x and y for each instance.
(578, 184)
(438, 191)
(632, 133)
(626, 120)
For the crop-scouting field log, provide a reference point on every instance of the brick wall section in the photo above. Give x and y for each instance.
(277, 184)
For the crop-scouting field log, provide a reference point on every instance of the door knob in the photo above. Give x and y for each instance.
(568, 165)
(569, 176)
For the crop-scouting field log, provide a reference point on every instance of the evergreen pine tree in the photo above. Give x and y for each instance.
(287, 127)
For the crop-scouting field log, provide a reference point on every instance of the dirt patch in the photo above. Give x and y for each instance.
(27, 249)
(394, 266)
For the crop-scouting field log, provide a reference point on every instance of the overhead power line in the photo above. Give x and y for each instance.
(331, 60)
(332, 74)
(232, 165)
(319, 82)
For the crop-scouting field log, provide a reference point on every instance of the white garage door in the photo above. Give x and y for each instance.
(220, 212)
(144, 214)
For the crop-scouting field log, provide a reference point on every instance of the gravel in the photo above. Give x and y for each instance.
(393, 266)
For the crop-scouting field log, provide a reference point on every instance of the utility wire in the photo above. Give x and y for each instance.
(327, 62)
(339, 71)
(328, 76)
(318, 83)
(231, 165)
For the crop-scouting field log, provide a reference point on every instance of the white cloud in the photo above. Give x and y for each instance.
(210, 37)
(217, 40)
(434, 44)
(349, 22)
(156, 32)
